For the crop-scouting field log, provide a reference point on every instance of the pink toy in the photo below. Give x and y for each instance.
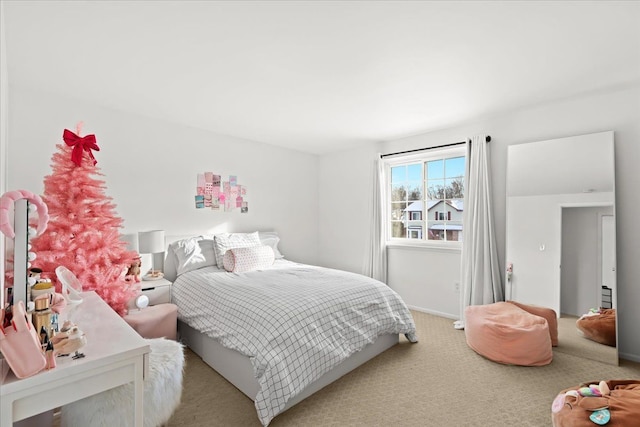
(7, 201)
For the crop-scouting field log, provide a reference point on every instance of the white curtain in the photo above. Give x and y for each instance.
(480, 273)
(376, 257)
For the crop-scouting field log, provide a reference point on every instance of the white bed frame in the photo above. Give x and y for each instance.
(236, 367)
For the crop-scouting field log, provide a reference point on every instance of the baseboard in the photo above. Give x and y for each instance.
(628, 356)
(434, 312)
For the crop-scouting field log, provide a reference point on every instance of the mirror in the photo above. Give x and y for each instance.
(561, 238)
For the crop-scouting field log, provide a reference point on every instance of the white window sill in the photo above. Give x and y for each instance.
(426, 246)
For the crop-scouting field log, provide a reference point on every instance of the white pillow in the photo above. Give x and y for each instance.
(224, 241)
(271, 238)
(239, 260)
(194, 253)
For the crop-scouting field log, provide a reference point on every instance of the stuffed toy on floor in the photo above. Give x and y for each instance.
(615, 403)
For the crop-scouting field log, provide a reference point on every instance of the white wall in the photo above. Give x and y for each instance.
(344, 200)
(617, 109)
(426, 278)
(150, 169)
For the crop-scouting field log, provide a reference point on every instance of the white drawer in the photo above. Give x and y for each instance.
(158, 293)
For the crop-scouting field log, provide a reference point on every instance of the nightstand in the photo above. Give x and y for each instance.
(158, 291)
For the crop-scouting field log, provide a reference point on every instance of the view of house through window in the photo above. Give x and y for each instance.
(426, 196)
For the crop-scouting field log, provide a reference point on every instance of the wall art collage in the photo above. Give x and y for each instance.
(215, 194)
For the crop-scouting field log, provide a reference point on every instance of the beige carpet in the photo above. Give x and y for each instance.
(437, 382)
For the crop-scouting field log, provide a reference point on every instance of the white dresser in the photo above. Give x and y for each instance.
(114, 355)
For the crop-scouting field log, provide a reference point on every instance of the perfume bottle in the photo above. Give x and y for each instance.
(42, 317)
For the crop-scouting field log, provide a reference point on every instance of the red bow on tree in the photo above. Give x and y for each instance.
(79, 144)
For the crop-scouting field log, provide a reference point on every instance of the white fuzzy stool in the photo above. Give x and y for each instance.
(162, 393)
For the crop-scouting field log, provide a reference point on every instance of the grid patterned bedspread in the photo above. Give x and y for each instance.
(295, 322)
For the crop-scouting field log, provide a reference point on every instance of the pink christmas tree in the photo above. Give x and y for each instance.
(84, 231)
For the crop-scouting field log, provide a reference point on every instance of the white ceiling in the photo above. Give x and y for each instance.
(326, 75)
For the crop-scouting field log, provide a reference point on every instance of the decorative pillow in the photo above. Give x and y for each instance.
(224, 241)
(194, 253)
(239, 260)
(271, 238)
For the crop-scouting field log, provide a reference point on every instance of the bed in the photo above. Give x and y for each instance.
(282, 331)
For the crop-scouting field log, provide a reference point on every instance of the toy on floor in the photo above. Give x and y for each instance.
(592, 398)
(615, 402)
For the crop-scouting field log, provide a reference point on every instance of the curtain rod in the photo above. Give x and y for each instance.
(488, 139)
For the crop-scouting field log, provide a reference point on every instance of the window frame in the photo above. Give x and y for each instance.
(406, 159)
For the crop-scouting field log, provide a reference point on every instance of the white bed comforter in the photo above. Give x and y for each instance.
(295, 322)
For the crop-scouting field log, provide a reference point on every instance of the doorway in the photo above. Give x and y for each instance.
(587, 257)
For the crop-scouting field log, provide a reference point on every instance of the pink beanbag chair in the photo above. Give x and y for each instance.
(506, 333)
(600, 328)
(549, 314)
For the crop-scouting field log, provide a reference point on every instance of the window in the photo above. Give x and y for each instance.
(426, 195)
